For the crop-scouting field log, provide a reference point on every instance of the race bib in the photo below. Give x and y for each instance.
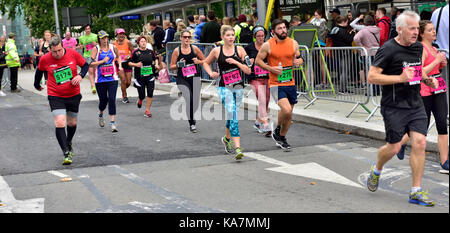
(232, 77)
(89, 46)
(442, 85)
(260, 71)
(417, 75)
(107, 70)
(146, 70)
(189, 71)
(62, 75)
(286, 76)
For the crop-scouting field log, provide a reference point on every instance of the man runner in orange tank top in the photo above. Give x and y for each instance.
(282, 55)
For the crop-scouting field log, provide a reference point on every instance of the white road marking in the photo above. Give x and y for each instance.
(309, 170)
(58, 174)
(11, 205)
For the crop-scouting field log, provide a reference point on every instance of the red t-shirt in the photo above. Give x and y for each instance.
(64, 69)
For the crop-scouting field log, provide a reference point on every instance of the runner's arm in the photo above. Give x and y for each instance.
(207, 63)
(375, 76)
(259, 60)
(243, 67)
(298, 60)
(200, 56)
(173, 60)
(119, 59)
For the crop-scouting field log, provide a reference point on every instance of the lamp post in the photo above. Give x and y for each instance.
(55, 6)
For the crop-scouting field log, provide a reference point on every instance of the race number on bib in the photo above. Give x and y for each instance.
(189, 71)
(232, 77)
(286, 76)
(146, 70)
(260, 71)
(417, 75)
(89, 46)
(62, 75)
(442, 85)
(107, 70)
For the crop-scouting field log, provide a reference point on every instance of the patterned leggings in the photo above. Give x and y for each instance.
(231, 101)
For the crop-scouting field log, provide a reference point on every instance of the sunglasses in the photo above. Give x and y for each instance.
(187, 37)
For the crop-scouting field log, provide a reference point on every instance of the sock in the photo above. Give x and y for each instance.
(111, 122)
(376, 171)
(70, 133)
(100, 115)
(62, 139)
(416, 189)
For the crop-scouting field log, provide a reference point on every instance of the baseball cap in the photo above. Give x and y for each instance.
(335, 10)
(102, 34)
(120, 30)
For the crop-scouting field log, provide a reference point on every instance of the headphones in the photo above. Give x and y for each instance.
(257, 29)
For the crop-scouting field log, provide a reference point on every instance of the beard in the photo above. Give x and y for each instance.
(281, 36)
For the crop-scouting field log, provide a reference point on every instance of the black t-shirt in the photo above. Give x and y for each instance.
(392, 58)
(252, 52)
(147, 57)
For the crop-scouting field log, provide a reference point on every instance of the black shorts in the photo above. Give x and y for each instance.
(281, 92)
(69, 106)
(399, 121)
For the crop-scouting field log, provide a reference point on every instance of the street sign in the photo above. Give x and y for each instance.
(75, 16)
(130, 17)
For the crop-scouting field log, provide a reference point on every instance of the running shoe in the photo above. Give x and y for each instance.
(401, 153)
(125, 100)
(94, 90)
(114, 128)
(67, 158)
(101, 122)
(373, 180)
(147, 114)
(193, 129)
(444, 167)
(280, 141)
(267, 130)
(2, 93)
(420, 198)
(139, 103)
(258, 126)
(238, 154)
(228, 145)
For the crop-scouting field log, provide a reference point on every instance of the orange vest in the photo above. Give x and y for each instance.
(281, 52)
(123, 49)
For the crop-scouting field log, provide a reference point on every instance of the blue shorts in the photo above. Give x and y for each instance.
(281, 92)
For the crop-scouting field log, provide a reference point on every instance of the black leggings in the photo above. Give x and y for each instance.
(2, 68)
(145, 83)
(438, 105)
(13, 77)
(107, 95)
(188, 86)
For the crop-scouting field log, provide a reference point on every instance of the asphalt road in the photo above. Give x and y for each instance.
(156, 165)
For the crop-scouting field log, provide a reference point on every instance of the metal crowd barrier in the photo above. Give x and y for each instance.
(339, 74)
(375, 90)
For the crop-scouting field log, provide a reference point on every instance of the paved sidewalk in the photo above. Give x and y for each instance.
(323, 113)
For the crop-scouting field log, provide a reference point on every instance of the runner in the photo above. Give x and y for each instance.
(44, 48)
(259, 81)
(282, 54)
(435, 100)
(145, 64)
(106, 79)
(63, 91)
(125, 49)
(186, 59)
(231, 85)
(69, 42)
(88, 41)
(398, 67)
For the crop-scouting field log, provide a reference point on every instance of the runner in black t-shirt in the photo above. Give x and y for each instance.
(398, 67)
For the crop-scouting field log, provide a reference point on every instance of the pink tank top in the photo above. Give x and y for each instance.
(424, 89)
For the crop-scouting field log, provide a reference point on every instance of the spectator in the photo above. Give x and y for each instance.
(2, 61)
(191, 22)
(196, 20)
(12, 61)
(211, 30)
(198, 29)
(246, 35)
(294, 24)
(226, 21)
(384, 23)
(320, 21)
(180, 27)
(425, 15)
(441, 26)
(393, 30)
(335, 13)
(158, 35)
(350, 16)
(355, 24)
(339, 34)
(169, 32)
